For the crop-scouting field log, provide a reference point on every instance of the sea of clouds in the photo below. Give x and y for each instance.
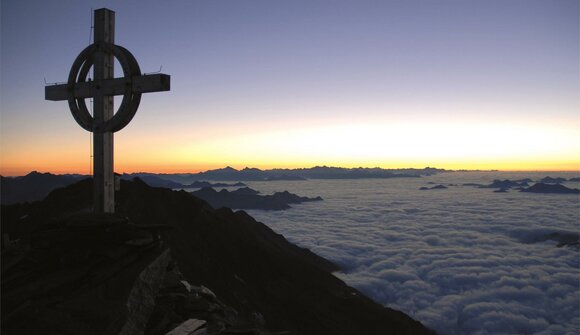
(463, 260)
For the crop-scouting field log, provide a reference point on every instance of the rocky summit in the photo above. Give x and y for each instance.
(168, 263)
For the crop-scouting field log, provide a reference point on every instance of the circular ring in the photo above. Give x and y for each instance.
(79, 72)
(128, 107)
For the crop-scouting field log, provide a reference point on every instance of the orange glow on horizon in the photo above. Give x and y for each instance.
(570, 166)
(390, 144)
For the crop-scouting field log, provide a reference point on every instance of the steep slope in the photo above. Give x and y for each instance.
(245, 263)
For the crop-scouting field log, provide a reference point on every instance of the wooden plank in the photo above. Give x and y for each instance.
(141, 84)
(55, 92)
(152, 83)
(187, 327)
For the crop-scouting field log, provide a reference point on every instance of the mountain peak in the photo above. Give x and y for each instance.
(36, 173)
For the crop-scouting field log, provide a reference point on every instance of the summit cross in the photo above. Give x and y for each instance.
(100, 56)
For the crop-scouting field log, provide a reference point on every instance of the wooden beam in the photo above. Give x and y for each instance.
(109, 87)
(103, 110)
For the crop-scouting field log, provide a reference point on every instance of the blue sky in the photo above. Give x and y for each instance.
(242, 69)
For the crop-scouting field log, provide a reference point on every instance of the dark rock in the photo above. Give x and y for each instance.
(436, 187)
(247, 198)
(78, 276)
(473, 184)
(551, 188)
(141, 300)
(563, 239)
(179, 303)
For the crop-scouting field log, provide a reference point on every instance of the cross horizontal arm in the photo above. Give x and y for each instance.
(109, 87)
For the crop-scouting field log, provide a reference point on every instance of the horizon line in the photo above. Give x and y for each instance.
(193, 171)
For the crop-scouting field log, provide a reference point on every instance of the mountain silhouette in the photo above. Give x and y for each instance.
(550, 188)
(246, 264)
(317, 172)
(247, 198)
(33, 186)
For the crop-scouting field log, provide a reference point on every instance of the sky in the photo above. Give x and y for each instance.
(451, 84)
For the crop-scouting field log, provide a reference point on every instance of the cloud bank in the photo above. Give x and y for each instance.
(462, 260)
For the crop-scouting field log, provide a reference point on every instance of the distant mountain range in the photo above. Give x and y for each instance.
(35, 185)
(319, 172)
(155, 180)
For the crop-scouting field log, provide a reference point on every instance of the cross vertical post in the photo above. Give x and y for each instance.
(103, 109)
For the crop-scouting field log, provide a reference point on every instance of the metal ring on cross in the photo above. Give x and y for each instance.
(79, 72)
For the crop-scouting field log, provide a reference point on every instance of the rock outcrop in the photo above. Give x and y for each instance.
(436, 187)
(247, 198)
(551, 188)
(82, 274)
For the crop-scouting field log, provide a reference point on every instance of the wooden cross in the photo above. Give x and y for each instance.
(100, 56)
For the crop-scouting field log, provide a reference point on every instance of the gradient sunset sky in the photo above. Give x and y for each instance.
(452, 84)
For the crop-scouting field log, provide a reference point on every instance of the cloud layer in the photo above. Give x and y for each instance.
(462, 260)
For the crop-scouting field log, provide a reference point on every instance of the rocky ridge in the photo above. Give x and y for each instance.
(247, 198)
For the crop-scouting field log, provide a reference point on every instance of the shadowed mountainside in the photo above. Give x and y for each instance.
(247, 198)
(32, 187)
(247, 265)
